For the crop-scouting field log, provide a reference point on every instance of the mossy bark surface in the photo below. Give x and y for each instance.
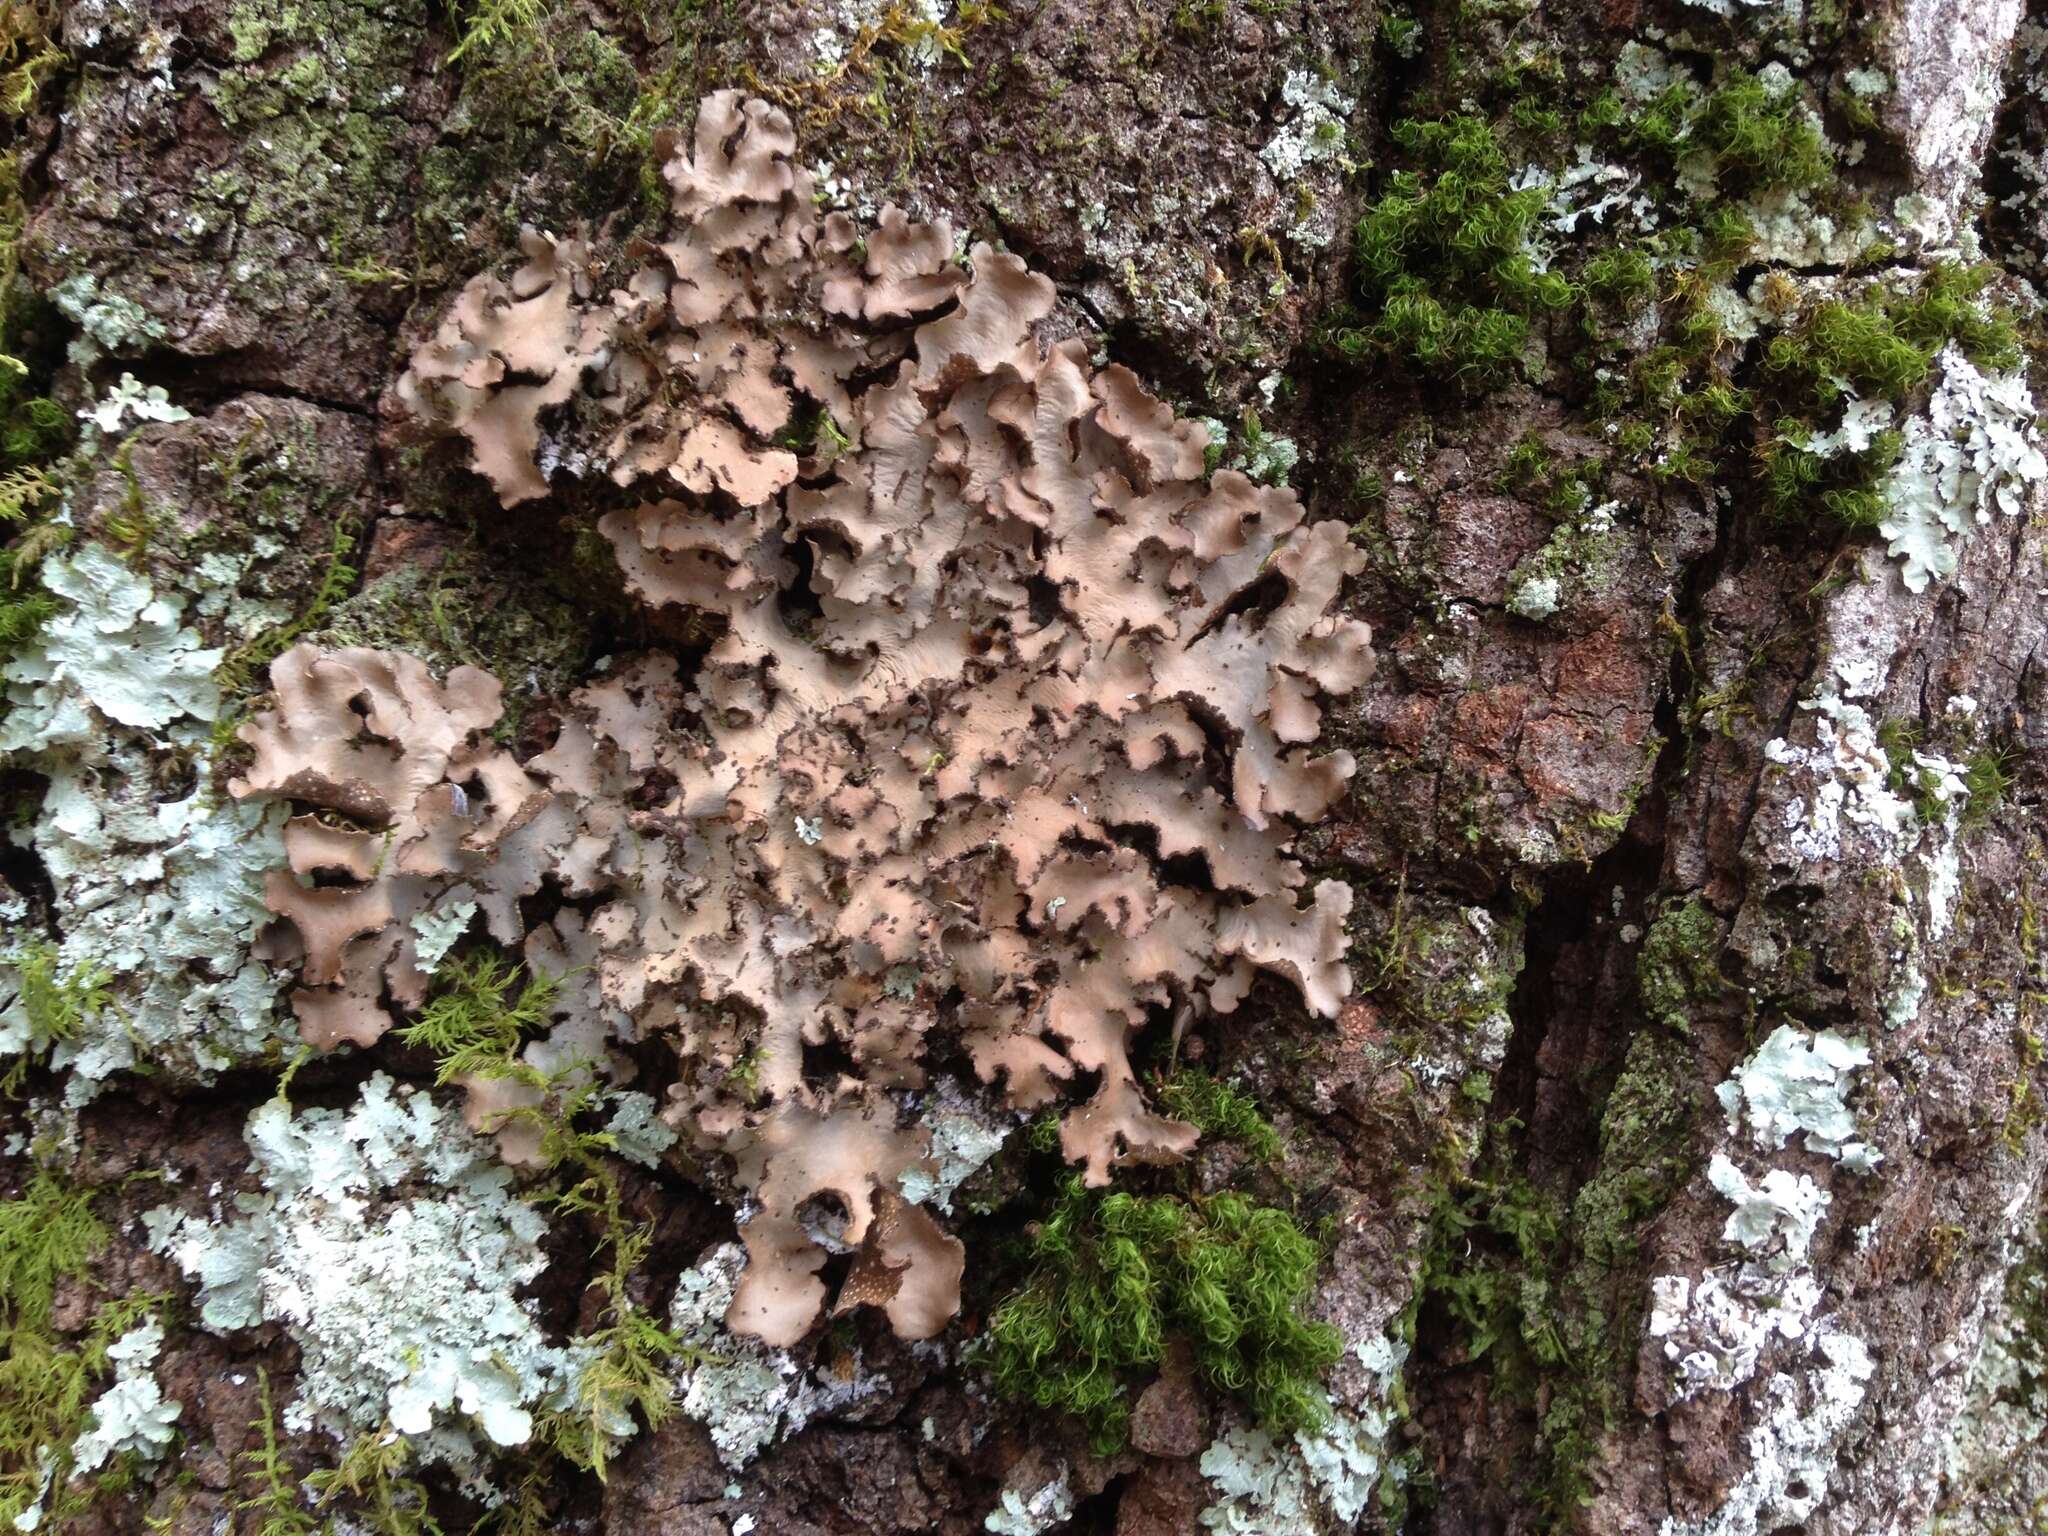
(1683, 733)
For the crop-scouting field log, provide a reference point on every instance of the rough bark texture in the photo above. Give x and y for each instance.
(1607, 837)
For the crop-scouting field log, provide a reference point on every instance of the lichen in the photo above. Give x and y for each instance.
(1793, 1445)
(1044, 1508)
(1967, 460)
(747, 1394)
(1777, 1216)
(405, 1306)
(1266, 1484)
(1799, 1082)
(1575, 561)
(154, 891)
(885, 407)
(108, 322)
(132, 1414)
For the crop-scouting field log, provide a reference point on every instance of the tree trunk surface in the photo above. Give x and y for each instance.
(1672, 1159)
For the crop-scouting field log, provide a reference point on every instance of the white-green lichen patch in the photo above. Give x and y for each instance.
(1314, 131)
(1775, 1217)
(638, 1132)
(1794, 1445)
(745, 1393)
(1714, 1331)
(1970, 458)
(1798, 1083)
(1266, 1485)
(389, 1242)
(1717, 1332)
(131, 398)
(1851, 801)
(117, 652)
(436, 930)
(1579, 555)
(107, 322)
(159, 896)
(1032, 1512)
(1996, 1460)
(964, 1137)
(132, 1414)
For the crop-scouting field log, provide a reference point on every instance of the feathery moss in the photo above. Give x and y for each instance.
(48, 1235)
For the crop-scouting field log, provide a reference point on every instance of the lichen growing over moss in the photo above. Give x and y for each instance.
(1114, 1277)
(1833, 378)
(1679, 964)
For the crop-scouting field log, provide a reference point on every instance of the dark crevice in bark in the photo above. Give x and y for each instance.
(196, 383)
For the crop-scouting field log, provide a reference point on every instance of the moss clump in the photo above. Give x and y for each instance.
(1883, 344)
(1115, 1276)
(1215, 1108)
(1446, 267)
(1643, 1131)
(1880, 346)
(1761, 137)
(1988, 776)
(1679, 964)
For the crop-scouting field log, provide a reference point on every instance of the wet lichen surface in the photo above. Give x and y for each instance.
(1252, 766)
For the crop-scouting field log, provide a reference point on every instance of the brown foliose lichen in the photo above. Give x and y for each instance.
(1009, 719)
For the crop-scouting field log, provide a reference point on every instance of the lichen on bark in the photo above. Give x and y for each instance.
(1663, 1116)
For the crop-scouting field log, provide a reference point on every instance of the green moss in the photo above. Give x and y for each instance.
(49, 1236)
(475, 1024)
(1401, 34)
(1643, 1130)
(1215, 1108)
(57, 1002)
(275, 1503)
(1440, 978)
(1622, 276)
(1761, 138)
(30, 57)
(1494, 1301)
(1527, 465)
(1680, 964)
(1988, 775)
(1447, 280)
(1114, 1277)
(373, 1474)
(1881, 345)
(1536, 1294)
